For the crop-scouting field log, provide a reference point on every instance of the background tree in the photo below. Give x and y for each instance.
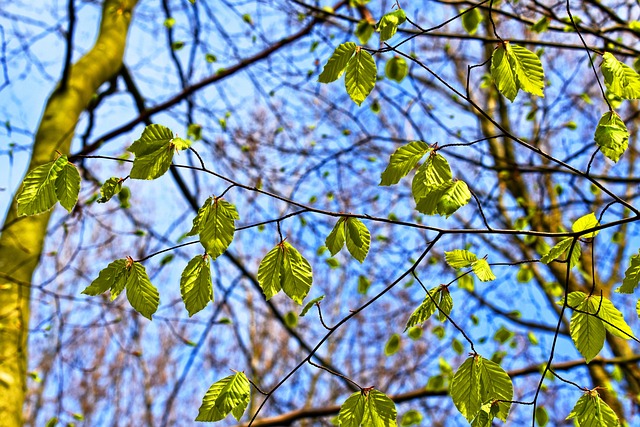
(295, 158)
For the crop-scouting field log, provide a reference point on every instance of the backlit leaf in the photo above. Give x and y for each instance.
(587, 332)
(460, 258)
(396, 69)
(38, 192)
(591, 411)
(310, 304)
(619, 78)
(471, 20)
(482, 269)
(195, 284)
(360, 77)
(424, 310)
(527, 68)
(67, 186)
(108, 278)
(392, 346)
(110, 188)
(296, 273)
(335, 240)
(142, 295)
(402, 161)
(389, 23)
(612, 136)
(230, 395)
(358, 238)
(584, 223)
(631, 276)
(216, 233)
(337, 63)
(269, 272)
(503, 75)
(465, 388)
(153, 152)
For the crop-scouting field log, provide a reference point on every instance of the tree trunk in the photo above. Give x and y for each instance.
(22, 239)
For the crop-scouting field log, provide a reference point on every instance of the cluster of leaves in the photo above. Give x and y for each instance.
(360, 67)
(513, 68)
(433, 187)
(354, 233)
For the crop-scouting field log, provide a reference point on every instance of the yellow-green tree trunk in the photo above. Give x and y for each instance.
(22, 239)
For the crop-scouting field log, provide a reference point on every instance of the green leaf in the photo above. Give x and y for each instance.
(392, 346)
(352, 410)
(216, 232)
(228, 395)
(485, 416)
(296, 273)
(201, 217)
(587, 332)
(38, 192)
(364, 31)
(112, 276)
(609, 313)
(67, 186)
(402, 161)
(445, 304)
(142, 295)
(503, 74)
(560, 248)
(389, 23)
(495, 384)
(483, 270)
(110, 188)
(424, 310)
(361, 76)
(631, 276)
(411, 418)
(528, 69)
(269, 272)
(310, 304)
(337, 63)
(460, 258)
(541, 25)
(453, 198)
(335, 240)
(358, 238)
(380, 411)
(430, 204)
(465, 387)
(612, 136)
(153, 152)
(195, 284)
(396, 69)
(619, 78)
(591, 411)
(542, 417)
(431, 175)
(584, 223)
(471, 20)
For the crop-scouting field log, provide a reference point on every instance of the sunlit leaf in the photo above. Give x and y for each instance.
(358, 238)
(612, 136)
(360, 77)
(631, 276)
(471, 20)
(389, 23)
(402, 161)
(310, 304)
(619, 78)
(67, 186)
(110, 188)
(142, 295)
(195, 284)
(153, 152)
(460, 258)
(229, 395)
(591, 411)
(38, 192)
(396, 69)
(337, 63)
(584, 223)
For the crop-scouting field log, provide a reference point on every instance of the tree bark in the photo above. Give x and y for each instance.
(22, 239)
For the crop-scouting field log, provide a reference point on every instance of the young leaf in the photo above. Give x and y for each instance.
(337, 63)
(296, 273)
(269, 272)
(430, 204)
(364, 31)
(153, 152)
(527, 68)
(619, 78)
(471, 20)
(361, 76)
(616, 324)
(38, 192)
(445, 304)
(612, 136)
(67, 186)
(560, 248)
(352, 410)
(465, 387)
(483, 270)
(587, 332)
(590, 410)
(201, 217)
(389, 23)
(142, 295)
(402, 161)
(379, 410)
(217, 231)
(502, 73)
(631, 276)
(310, 304)
(112, 276)
(110, 188)
(392, 346)
(584, 223)
(424, 310)
(495, 384)
(229, 395)
(195, 284)
(433, 174)
(460, 258)
(335, 240)
(396, 69)
(453, 198)
(358, 238)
